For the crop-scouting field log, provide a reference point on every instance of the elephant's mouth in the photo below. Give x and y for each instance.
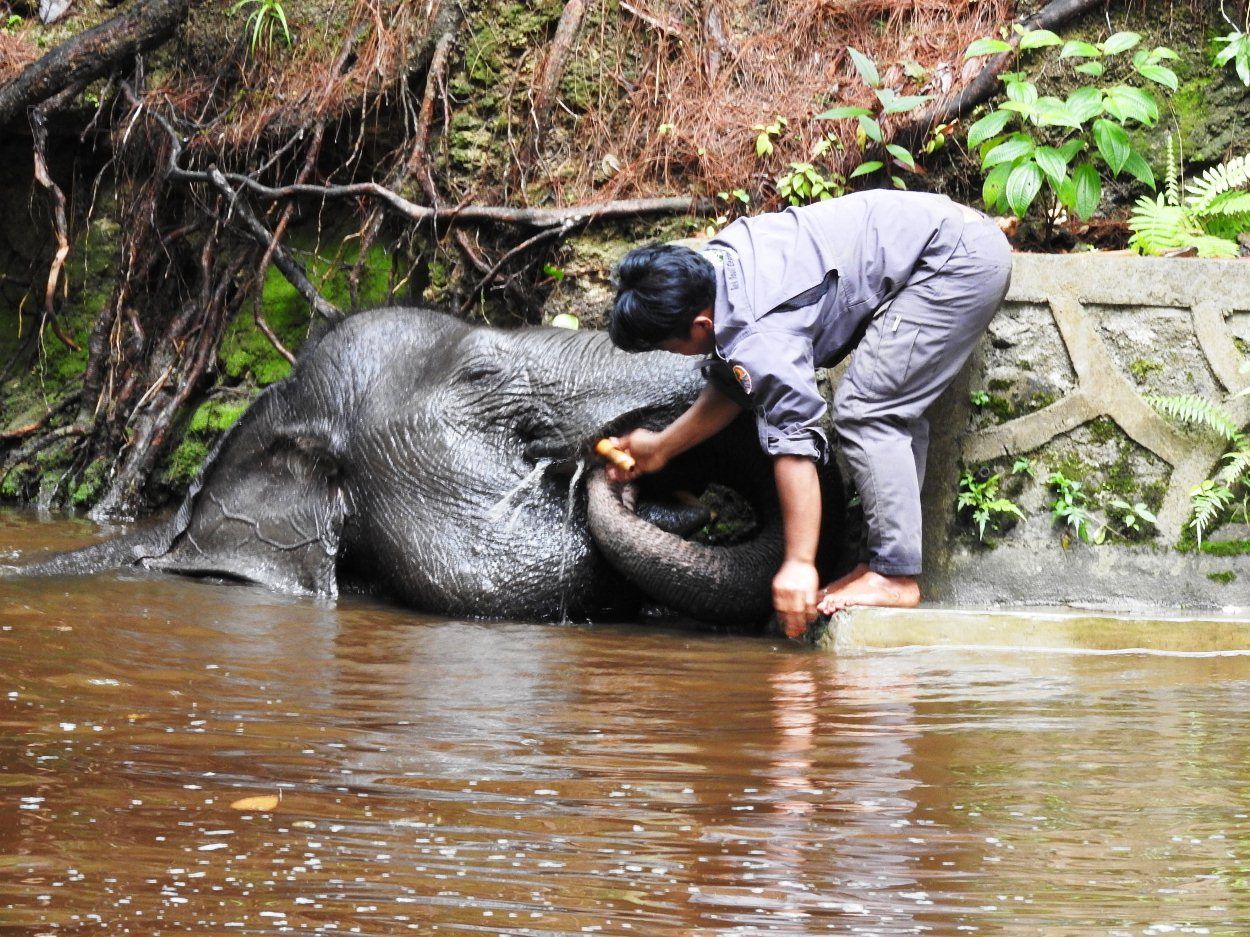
(656, 531)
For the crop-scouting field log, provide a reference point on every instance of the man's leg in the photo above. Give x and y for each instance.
(908, 356)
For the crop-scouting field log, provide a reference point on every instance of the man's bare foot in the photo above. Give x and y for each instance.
(871, 588)
(842, 580)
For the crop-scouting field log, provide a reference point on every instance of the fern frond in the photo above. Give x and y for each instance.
(1172, 186)
(1217, 180)
(1159, 227)
(1229, 203)
(1197, 411)
(1209, 501)
(1212, 245)
(1236, 468)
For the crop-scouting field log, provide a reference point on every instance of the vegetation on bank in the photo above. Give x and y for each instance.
(144, 300)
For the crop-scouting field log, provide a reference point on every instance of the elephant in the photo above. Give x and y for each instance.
(446, 466)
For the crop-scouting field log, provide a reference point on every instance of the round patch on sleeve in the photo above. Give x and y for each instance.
(743, 376)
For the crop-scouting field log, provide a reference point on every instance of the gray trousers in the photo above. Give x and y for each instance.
(909, 355)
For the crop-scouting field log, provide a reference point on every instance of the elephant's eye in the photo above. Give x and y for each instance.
(479, 371)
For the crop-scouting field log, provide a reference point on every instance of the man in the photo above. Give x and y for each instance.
(908, 281)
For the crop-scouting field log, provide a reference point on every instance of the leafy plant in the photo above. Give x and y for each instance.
(11, 22)
(805, 183)
(1211, 499)
(1071, 506)
(1133, 516)
(889, 102)
(979, 398)
(1023, 466)
(1236, 50)
(1032, 144)
(982, 499)
(265, 18)
(764, 142)
(1208, 215)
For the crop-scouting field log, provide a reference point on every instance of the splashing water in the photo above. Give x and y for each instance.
(525, 485)
(567, 544)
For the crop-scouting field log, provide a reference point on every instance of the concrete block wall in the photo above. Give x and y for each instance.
(1059, 380)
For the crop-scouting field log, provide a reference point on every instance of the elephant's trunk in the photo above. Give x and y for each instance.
(727, 584)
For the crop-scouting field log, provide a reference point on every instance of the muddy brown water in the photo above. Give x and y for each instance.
(526, 778)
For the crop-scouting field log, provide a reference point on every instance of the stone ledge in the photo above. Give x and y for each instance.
(863, 630)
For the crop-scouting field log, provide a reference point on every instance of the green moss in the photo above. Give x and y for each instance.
(89, 487)
(185, 461)
(215, 417)
(1224, 577)
(1141, 368)
(246, 352)
(999, 384)
(1103, 429)
(1225, 547)
(1001, 407)
(14, 484)
(1040, 399)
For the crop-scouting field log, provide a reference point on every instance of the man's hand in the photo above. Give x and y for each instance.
(794, 596)
(648, 450)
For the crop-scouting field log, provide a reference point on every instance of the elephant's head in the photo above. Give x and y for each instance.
(443, 464)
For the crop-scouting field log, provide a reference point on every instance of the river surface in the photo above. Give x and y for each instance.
(473, 777)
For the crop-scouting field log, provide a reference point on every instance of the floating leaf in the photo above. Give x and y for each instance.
(262, 802)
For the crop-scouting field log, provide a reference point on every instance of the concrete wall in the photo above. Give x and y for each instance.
(1064, 366)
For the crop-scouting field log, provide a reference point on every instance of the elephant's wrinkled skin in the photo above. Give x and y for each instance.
(431, 461)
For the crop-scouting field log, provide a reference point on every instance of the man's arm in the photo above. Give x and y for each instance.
(706, 417)
(796, 582)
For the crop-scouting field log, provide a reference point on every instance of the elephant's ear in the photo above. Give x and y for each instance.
(269, 509)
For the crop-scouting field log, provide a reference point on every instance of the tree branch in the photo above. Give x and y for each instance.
(92, 54)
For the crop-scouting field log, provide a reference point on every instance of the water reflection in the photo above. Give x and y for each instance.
(499, 777)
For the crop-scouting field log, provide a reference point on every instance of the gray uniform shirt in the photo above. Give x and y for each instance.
(796, 289)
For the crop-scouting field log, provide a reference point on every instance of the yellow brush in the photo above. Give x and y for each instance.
(618, 457)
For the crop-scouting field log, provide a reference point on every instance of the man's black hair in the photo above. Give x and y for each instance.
(660, 288)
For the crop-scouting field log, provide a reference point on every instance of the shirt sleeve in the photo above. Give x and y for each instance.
(775, 369)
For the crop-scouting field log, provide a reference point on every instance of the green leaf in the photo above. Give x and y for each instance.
(1139, 169)
(1022, 187)
(1053, 164)
(995, 183)
(763, 145)
(1051, 112)
(904, 103)
(1069, 150)
(988, 126)
(1024, 91)
(871, 128)
(1120, 42)
(1091, 68)
(987, 47)
(1160, 75)
(1038, 38)
(902, 155)
(841, 113)
(1113, 144)
(864, 65)
(1085, 103)
(1088, 190)
(864, 169)
(1127, 103)
(1008, 151)
(1080, 50)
